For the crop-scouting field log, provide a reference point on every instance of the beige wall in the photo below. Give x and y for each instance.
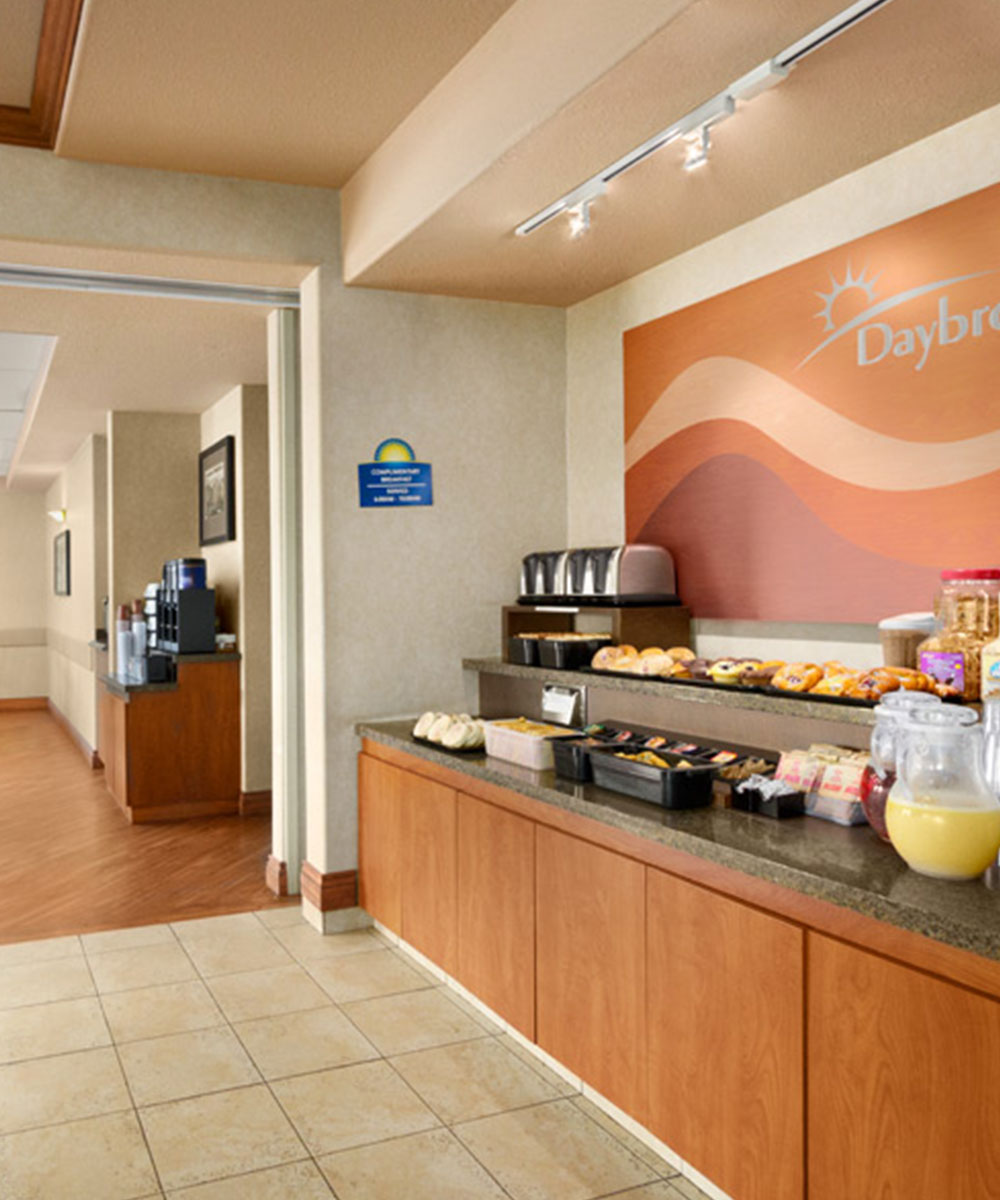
(931, 172)
(393, 598)
(152, 499)
(72, 620)
(240, 570)
(25, 578)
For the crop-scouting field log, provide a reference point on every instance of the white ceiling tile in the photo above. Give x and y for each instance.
(24, 351)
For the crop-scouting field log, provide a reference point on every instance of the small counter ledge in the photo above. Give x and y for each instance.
(846, 867)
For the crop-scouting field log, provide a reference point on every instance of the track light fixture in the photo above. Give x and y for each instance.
(694, 126)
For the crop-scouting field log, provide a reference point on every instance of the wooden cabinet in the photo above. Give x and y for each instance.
(724, 1014)
(429, 874)
(591, 975)
(903, 1071)
(380, 840)
(496, 910)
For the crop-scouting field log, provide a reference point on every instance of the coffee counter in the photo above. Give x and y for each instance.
(172, 750)
(848, 867)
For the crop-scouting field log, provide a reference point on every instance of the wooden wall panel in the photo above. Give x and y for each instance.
(496, 910)
(591, 975)
(726, 1071)
(430, 911)
(903, 1074)
(380, 844)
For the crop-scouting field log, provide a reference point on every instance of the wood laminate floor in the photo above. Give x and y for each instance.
(71, 863)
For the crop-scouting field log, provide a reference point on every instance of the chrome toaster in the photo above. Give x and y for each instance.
(610, 575)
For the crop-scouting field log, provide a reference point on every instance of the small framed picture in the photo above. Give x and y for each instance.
(216, 493)
(60, 569)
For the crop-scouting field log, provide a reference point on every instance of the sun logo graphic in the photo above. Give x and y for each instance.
(877, 341)
(838, 288)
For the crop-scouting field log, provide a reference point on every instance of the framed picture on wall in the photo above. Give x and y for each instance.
(216, 493)
(60, 569)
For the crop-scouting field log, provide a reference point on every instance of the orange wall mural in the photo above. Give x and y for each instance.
(819, 443)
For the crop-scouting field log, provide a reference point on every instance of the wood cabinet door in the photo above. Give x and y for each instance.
(591, 980)
(724, 1010)
(380, 841)
(496, 910)
(903, 1072)
(429, 869)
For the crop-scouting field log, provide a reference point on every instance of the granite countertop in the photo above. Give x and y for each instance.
(848, 867)
(686, 692)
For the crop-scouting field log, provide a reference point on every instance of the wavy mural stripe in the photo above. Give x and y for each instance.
(917, 526)
(748, 547)
(724, 388)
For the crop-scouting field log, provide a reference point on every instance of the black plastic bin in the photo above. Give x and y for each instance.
(670, 787)
(523, 651)
(569, 654)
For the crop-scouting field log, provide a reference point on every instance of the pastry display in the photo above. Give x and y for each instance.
(831, 678)
(460, 732)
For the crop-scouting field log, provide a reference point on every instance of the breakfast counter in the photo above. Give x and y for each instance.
(848, 867)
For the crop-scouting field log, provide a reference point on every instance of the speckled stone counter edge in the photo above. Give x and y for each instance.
(686, 693)
(970, 930)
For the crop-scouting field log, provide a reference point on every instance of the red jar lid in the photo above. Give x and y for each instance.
(977, 573)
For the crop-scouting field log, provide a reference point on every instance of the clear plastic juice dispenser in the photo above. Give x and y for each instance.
(880, 774)
(942, 817)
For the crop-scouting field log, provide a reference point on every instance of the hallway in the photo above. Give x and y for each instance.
(70, 862)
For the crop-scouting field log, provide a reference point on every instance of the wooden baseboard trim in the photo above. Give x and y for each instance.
(86, 749)
(255, 804)
(147, 815)
(335, 889)
(23, 704)
(276, 875)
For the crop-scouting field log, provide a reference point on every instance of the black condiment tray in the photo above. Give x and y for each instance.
(669, 787)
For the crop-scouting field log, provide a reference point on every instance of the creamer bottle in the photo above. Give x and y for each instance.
(942, 817)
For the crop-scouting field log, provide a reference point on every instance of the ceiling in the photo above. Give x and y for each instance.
(444, 123)
(24, 361)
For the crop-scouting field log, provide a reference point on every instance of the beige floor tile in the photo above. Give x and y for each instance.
(239, 950)
(127, 939)
(474, 1011)
(155, 1011)
(42, 1029)
(659, 1191)
(186, 1064)
(334, 1110)
(472, 1079)
(253, 994)
(39, 983)
(412, 1021)
(639, 1149)
(44, 951)
(552, 1152)
(297, 1181)
(308, 944)
(424, 1166)
(187, 931)
(211, 1137)
(295, 1043)
(103, 1158)
(67, 1087)
(561, 1085)
(281, 917)
(361, 976)
(140, 966)
(683, 1189)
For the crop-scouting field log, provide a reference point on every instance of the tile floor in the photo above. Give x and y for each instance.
(248, 1057)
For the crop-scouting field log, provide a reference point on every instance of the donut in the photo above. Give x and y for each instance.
(626, 662)
(833, 667)
(681, 653)
(651, 652)
(913, 681)
(797, 677)
(871, 685)
(725, 670)
(833, 685)
(654, 664)
(679, 670)
(605, 658)
(762, 672)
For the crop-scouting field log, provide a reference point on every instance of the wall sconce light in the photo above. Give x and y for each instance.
(57, 514)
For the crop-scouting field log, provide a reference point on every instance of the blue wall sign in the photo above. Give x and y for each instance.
(394, 478)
